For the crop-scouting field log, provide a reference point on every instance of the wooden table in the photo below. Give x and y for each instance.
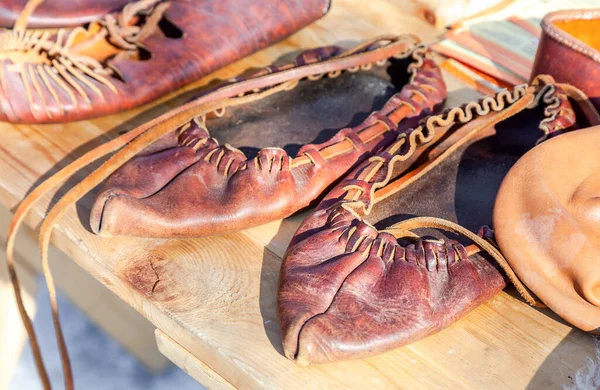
(212, 299)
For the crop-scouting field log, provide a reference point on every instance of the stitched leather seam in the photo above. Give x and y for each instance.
(568, 40)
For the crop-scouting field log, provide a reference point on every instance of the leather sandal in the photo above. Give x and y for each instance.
(54, 13)
(179, 141)
(134, 56)
(390, 255)
(264, 161)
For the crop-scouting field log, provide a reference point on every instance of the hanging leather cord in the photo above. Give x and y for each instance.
(404, 229)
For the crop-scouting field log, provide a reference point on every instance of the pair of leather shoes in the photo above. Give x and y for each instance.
(390, 254)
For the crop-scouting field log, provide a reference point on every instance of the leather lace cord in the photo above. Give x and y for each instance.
(404, 229)
(134, 141)
(590, 112)
(70, 70)
(542, 91)
(60, 208)
(125, 37)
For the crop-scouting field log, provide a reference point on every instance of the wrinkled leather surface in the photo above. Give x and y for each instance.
(569, 50)
(215, 33)
(546, 220)
(349, 289)
(58, 13)
(177, 190)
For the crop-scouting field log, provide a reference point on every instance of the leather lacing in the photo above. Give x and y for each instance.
(138, 139)
(360, 191)
(380, 122)
(71, 71)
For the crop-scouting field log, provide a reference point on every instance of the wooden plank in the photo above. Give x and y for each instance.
(188, 363)
(215, 296)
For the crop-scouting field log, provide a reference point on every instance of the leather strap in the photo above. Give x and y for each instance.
(590, 112)
(543, 89)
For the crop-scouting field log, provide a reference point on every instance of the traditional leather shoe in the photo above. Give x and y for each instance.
(287, 146)
(54, 13)
(129, 58)
(546, 224)
(351, 283)
(569, 50)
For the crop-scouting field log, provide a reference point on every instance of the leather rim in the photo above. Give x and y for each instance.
(568, 40)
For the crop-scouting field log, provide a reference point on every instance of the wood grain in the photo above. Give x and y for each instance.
(215, 296)
(113, 315)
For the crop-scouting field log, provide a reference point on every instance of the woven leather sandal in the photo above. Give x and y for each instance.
(358, 279)
(287, 148)
(182, 131)
(136, 55)
(54, 13)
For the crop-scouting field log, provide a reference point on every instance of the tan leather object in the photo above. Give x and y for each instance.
(266, 160)
(547, 224)
(371, 269)
(569, 50)
(57, 13)
(131, 57)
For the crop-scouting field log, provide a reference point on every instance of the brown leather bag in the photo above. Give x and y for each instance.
(361, 276)
(179, 139)
(131, 57)
(546, 222)
(569, 51)
(266, 160)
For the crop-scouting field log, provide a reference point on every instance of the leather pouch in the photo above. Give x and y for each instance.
(390, 255)
(133, 56)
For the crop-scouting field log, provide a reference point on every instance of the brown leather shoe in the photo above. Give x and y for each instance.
(569, 50)
(56, 13)
(287, 146)
(546, 224)
(358, 280)
(141, 53)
